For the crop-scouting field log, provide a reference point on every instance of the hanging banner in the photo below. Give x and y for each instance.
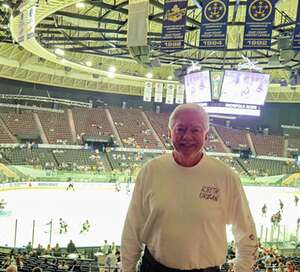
(296, 37)
(179, 94)
(158, 92)
(258, 24)
(174, 20)
(214, 24)
(147, 91)
(31, 22)
(170, 94)
(21, 30)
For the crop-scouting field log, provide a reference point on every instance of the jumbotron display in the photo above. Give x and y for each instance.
(244, 87)
(197, 87)
(228, 92)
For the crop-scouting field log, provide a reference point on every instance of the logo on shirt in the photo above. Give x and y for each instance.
(210, 193)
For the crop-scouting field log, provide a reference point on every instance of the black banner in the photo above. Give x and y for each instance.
(214, 24)
(173, 25)
(296, 37)
(258, 24)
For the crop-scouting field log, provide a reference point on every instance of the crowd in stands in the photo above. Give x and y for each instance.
(107, 259)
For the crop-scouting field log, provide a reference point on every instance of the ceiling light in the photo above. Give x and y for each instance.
(59, 52)
(170, 77)
(80, 5)
(112, 69)
(149, 75)
(111, 75)
(88, 63)
(6, 5)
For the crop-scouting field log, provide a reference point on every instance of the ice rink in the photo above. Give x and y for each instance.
(28, 212)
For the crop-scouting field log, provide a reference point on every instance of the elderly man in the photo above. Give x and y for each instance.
(11, 268)
(181, 204)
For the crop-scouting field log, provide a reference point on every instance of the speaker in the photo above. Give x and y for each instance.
(137, 23)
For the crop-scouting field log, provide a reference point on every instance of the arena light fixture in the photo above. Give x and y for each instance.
(59, 52)
(170, 77)
(149, 75)
(111, 75)
(6, 5)
(88, 63)
(112, 69)
(80, 5)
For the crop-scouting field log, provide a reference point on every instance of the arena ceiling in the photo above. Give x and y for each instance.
(93, 38)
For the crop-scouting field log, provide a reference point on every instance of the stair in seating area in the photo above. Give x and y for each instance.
(7, 172)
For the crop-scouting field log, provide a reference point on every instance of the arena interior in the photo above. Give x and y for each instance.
(86, 90)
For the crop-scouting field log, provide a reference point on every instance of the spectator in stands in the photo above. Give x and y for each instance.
(111, 261)
(181, 204)
(11, 268)
(71, 247)
(105, 248)
(75, 267)
(37, 269)
(57, 251)
(290, 267)
(29, 247)
(63, 266)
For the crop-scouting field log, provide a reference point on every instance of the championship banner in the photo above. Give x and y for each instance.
(258, 24)
(214, 24)
(21, 30)
(147, 91)
(179, 94)
(158, 96)
(31, 22)
(174, 20)
(296, 37)
(170, 94)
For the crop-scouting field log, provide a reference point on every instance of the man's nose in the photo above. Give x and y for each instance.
(187, 134)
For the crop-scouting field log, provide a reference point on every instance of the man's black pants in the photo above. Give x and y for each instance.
(149, 264)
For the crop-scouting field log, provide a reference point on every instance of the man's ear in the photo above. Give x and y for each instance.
(206, 135)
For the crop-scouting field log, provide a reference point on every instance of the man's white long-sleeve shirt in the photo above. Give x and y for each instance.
(181, 213)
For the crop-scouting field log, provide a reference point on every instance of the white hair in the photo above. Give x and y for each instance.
(189, 107)
(11, 268)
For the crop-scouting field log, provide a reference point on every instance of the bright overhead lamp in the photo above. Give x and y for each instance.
(6, 5)
(59, 52)
(80, 5)
(88, 63)
(170, 77)
(149, 75)
(112, 69)
(111, 75)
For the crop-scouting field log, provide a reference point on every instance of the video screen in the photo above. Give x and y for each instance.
(244, 87)
(197, 87)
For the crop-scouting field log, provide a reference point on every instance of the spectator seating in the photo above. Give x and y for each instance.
(77, 159)
(261, 167)
(4, 136)
(213, 144)
(124, 160)
(91, 122)
(159, 122)
(294, 143)
(26, 156)
(233, 138)
(20, 124)
(56, 127)
(132, 128)
(268, 145)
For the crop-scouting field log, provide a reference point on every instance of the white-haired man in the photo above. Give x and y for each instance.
(181, 204)
(11, 268)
